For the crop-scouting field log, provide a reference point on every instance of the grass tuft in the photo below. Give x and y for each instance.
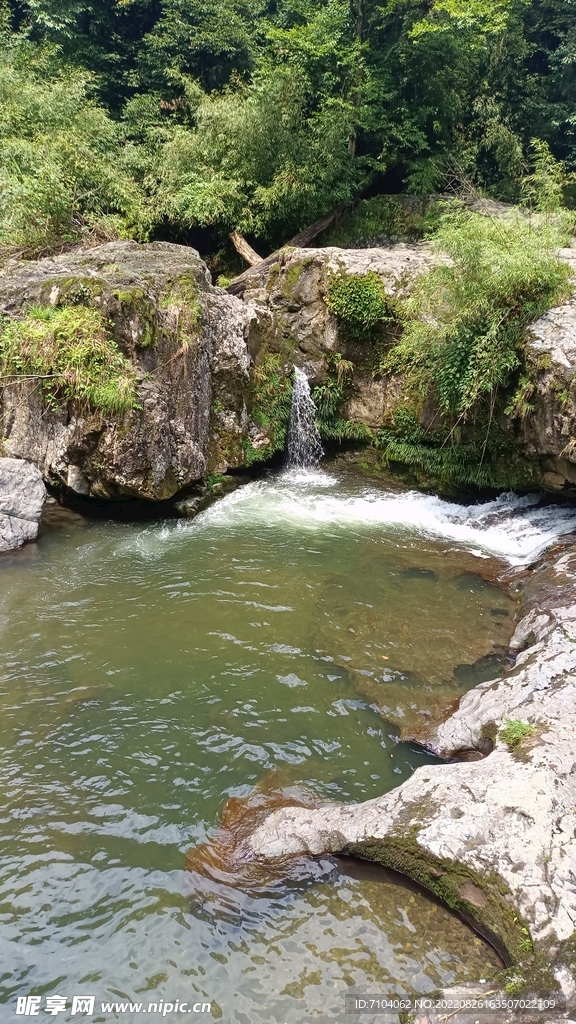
(71, 355)
(514, 732)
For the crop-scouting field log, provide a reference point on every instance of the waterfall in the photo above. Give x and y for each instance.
(304, 447)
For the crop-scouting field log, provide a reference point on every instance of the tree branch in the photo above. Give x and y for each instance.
(246, 251)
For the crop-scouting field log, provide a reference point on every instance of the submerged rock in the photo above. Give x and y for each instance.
(22, 497)
(494, 838)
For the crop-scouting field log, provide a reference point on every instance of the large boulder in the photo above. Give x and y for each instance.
(495, 838)
(548, 432)
(22, 497)
(186, 340)
(288, 301)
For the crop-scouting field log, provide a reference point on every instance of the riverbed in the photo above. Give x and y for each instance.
(289, 636)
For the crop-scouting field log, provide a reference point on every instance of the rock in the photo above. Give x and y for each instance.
(495, 838)
(193, 504)
(197, 351)
(290, 316)
(204, 495)
(22, 497)
(548, 433)
(187, 342)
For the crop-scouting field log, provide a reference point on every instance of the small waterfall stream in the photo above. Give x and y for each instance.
(304, 445)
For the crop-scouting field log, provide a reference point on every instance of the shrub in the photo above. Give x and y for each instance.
(62, 168)
(464, 321)
(69, 352)
(359, 303)
(462, 346)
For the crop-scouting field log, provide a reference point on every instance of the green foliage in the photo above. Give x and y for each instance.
(215, 481)
(514, 732)
(263, 116)
(70, 354)
(271, 400)
(464, 321)
(462, 344)
(254, 160)
(483, 459)
(542, 190)
(209, 40)
(62, 173)
(381, 219)
(328, 398)
(359, 303)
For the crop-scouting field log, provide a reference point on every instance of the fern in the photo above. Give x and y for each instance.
(329, 396)
(271, 399)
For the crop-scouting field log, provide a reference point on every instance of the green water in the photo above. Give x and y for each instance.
(151, 671)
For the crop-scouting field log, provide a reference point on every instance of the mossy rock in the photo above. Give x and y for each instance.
(484, 900)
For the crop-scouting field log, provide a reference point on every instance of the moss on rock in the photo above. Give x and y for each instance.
(482, 899)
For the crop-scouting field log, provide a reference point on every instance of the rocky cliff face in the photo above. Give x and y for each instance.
(187, 342)
(201, 355)
(548, 431)
(290, 316)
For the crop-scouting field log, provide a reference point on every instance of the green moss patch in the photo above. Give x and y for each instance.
(484, 899)
(293, 274)
(69, 352)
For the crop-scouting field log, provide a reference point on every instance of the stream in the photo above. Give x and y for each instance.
(290, 636)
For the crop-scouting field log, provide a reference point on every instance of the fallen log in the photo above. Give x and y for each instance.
(244, 249)
(238, 285)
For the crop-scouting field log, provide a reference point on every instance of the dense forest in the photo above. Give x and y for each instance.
(185, 119)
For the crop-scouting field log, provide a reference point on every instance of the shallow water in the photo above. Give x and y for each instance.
(151, 672)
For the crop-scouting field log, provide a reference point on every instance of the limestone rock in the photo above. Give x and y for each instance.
(290, 315)
(548, 432)
(22, 497)
(496, 837)
(187, 341)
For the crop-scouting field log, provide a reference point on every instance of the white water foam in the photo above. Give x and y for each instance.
(516, 529)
